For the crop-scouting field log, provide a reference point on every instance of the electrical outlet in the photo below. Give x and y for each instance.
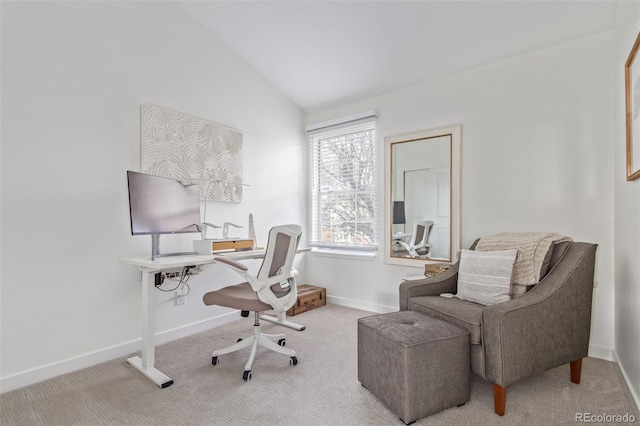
(181, 295)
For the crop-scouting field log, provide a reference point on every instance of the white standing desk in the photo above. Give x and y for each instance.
(145, 362)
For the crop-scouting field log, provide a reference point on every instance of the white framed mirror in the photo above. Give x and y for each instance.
(422, 197)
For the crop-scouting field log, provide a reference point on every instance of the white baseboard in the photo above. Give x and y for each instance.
(601, 352)
(632, 390)
(358, 304)
(35, 375)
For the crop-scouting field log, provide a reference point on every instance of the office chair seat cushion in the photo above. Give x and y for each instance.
(241, 297)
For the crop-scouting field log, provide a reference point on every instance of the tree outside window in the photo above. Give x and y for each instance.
(344, 189)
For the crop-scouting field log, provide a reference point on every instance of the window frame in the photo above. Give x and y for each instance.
(315, 192)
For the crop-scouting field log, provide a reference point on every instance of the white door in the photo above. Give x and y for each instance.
(427, 198)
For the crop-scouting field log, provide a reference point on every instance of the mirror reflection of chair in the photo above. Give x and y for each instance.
(419, 245)
(273, 290)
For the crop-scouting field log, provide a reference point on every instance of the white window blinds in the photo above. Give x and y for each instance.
(344, 187)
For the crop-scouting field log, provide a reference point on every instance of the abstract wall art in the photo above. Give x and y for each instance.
(191, 149)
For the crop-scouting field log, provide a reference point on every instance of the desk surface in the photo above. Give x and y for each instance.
(168, 262)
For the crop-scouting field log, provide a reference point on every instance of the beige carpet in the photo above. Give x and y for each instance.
(322, 389)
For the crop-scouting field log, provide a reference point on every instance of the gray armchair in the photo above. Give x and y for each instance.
(546, 327)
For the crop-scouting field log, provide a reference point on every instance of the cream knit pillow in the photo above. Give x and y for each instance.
(485, 276)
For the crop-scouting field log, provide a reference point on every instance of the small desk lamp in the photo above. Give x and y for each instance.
(205, 224)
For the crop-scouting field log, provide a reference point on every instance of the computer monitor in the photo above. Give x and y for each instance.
(159, 205)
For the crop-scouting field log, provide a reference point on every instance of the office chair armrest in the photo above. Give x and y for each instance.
(232, 263)
(404, 245)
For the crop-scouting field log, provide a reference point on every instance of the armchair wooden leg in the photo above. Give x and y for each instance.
(576, 369)
(499, 399)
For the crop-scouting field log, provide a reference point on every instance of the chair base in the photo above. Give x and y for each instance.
(273, 342)
(281, 319)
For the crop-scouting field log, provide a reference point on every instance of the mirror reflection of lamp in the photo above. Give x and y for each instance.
(398, 213)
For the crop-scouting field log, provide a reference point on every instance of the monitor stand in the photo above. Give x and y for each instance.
(155, 249)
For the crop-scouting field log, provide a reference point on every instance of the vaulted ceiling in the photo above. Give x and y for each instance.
(322, 53)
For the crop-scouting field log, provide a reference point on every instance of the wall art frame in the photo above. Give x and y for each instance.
(191, 149)
(632, 102)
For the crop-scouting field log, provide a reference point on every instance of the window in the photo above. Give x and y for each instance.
(344, 189)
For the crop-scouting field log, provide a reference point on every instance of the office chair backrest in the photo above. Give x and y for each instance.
(418, 235)
(421, 231)
(277, 271)
(280, 253)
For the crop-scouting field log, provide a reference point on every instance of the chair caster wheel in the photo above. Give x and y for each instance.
(293, 360)
(244, 314)
(281, 342)
(246, 375)
(214, 360)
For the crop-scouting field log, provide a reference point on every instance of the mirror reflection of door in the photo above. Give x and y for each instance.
(426, 192)
(422, 179)
(422, 189)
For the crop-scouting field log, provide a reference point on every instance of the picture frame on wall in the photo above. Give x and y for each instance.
(632, 89)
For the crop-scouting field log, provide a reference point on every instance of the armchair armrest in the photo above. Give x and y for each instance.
(547, 327)
(446, 282)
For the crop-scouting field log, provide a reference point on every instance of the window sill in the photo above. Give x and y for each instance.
(344, 254)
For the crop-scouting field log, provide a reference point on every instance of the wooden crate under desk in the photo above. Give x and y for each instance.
(309, 297)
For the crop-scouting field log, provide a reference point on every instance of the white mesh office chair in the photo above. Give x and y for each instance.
(273, 290)
(419, 245)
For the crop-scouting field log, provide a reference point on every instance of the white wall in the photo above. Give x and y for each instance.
(537, 154)
(73, 77)
(627, 216)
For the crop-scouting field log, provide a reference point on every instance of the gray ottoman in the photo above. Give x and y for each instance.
(417, 365)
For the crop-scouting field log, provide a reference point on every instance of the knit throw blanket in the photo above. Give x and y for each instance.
(532, 248)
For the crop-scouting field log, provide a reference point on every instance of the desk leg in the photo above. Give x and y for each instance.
(145, 362)
(282, 320)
